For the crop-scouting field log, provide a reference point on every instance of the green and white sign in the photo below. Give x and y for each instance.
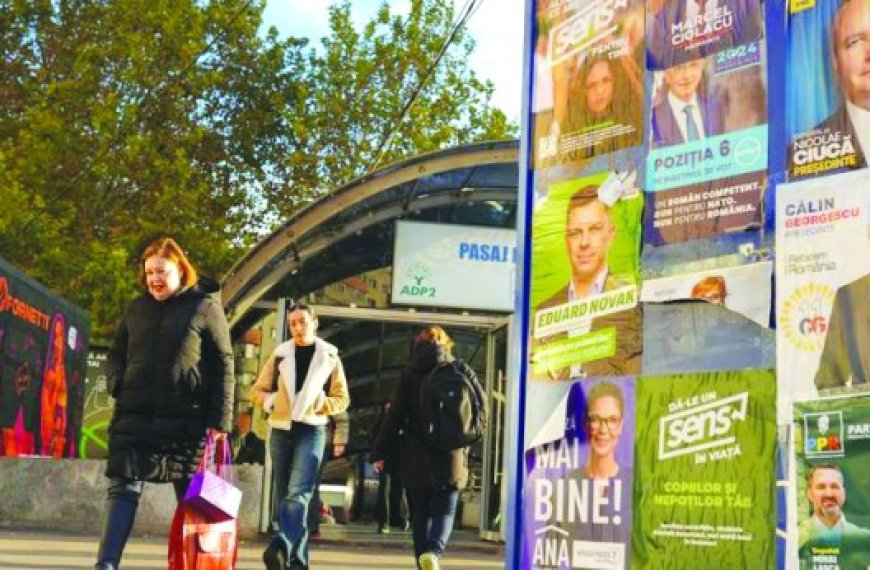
(454, 266)
(704, 471)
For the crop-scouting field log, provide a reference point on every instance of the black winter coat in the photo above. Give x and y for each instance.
(170, 370)
(420, 466)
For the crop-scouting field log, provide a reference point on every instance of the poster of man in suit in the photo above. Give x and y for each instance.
(586, 320)
(831, 449)
(828, 88)
(824, 321)
(708, 138)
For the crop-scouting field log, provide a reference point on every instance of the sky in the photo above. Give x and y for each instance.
(496, 26)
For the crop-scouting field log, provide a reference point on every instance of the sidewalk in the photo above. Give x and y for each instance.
(364, 535)
(341, 548)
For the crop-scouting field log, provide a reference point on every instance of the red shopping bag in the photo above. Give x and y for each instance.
(197, 544)
(211, 493)
(204, 532)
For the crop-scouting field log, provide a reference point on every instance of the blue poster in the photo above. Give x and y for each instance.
(578, 488)
(827, 87)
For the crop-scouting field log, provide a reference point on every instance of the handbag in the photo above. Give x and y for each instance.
(210, 493)
(195, 543)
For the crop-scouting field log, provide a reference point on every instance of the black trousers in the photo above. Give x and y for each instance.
(388, 509)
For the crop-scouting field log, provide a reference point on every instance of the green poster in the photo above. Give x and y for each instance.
(584, 295)
(704, 471)
(552, 267)
(832, 448)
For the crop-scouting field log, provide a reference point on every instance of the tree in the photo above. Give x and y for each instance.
(348, 118)
(122, 120)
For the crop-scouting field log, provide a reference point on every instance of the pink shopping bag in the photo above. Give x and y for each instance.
(210, 492)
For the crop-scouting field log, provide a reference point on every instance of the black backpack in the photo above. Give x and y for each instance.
(452, 414)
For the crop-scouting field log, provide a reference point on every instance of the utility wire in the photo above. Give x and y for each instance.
(465, 13)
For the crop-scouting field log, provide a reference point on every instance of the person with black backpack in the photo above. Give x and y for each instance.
(438, 412)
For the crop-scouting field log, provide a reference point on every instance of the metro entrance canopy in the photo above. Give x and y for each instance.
(351, 230)
(338, 255)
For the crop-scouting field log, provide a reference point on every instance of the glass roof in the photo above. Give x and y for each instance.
(480, 191)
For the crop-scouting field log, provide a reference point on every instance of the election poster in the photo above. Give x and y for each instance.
(43, 350)
(832, 451)
(707, 160)
(827, 87)
(584, 295)
(705, 209)
(744, 289)
(578, 487)
(823, 280)
(588, 79)
(704, 471)
(683, 30)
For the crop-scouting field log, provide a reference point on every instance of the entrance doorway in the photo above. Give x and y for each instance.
(374, 345)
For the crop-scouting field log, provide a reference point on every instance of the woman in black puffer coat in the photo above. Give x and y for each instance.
(170, 370)
(432, 477)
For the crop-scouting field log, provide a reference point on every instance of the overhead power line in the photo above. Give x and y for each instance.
(465, 13)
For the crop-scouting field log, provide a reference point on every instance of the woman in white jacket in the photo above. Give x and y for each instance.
(301, 385)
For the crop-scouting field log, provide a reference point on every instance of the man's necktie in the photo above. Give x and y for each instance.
(691, 127)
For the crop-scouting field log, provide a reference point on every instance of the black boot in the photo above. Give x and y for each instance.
(275, 555)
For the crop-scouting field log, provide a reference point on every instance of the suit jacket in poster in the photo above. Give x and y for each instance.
(838, 122)
(629, 347)
(666, 129)
(846, 354)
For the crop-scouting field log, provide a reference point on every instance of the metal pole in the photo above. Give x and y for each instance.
(266, 495)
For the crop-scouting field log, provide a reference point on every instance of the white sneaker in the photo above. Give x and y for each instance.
(428, 561)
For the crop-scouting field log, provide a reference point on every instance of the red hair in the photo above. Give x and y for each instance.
(168, 248)
(710, 284)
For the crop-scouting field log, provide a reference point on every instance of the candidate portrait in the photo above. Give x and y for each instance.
(684, 111)
(827, 525)
(588, 238)
(711, 289)
(589, 233)
(850, 61)
(604, 113)
(603, 425)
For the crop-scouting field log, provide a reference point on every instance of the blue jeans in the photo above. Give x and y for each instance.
(432, 515)
(122, 500)
(296, 457)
